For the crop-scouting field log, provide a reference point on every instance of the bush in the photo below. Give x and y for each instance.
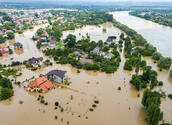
(93, 105)
(164, 63)
(170, 96)
(91, 109)
(96, 101)
(160, 83)
(42, 101)
(20, 102)
(119, 88)
(61, 109)
(46, 103)
(55, 117)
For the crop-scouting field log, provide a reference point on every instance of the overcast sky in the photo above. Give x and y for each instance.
(88, 0)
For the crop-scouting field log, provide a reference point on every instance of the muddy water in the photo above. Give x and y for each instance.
(95, 32)
(158, 35)
(114, 106)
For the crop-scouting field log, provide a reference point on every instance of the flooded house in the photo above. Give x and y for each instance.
(56, 75)
(35, 62)
(41, 83)
(96, 50)
(44, 44)
(77, 53)
(18, 45)
(110, 40)
(3, 51)
(9, 31)
(106, 55)
(52, 43)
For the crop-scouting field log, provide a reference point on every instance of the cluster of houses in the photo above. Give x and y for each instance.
(45, 83)
(45, 40)
(5, 50)
(107, 55)
(21, 17)
(162, 16)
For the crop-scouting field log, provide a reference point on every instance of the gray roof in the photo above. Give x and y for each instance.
(18, 44)
(33, 60)
(58, 73)
(109, 39)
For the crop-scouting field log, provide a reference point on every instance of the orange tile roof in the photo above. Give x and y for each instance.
(42, 83)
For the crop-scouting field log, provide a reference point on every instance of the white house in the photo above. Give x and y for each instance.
(96, 50)
(106, 55)
(56, 75)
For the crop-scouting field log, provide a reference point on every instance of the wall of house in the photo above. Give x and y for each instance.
(57, 79)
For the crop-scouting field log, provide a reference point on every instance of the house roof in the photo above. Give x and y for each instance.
(4, 52)
(42, 83)
(33, 60)
(17, 44)
(109, 39)
(53, 42)
(58, 73)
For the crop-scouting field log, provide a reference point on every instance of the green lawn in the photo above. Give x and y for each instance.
(60, 44)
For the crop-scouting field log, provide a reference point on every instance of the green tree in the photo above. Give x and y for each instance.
(106, 49)
(70, 41)
(6, 83)
(164, 63)
(57, 33)
(154, 114)
(100, 43)
(7, 18)
(171, 73)
(40, 31)
(38, 45)
(151, 101)
(10, 51)
(2, 39)
(5, 93)
(156, 56)
(10, 35)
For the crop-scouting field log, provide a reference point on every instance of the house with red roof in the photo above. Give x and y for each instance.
(3, 51)
(41, 83)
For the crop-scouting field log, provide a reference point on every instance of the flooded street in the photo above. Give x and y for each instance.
(114, 105)
(158, 35)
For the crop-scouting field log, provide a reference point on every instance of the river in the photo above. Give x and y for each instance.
(158, 35)
(115, 107)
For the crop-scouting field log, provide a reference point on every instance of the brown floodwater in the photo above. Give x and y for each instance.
(115, 107)
(158, 35)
